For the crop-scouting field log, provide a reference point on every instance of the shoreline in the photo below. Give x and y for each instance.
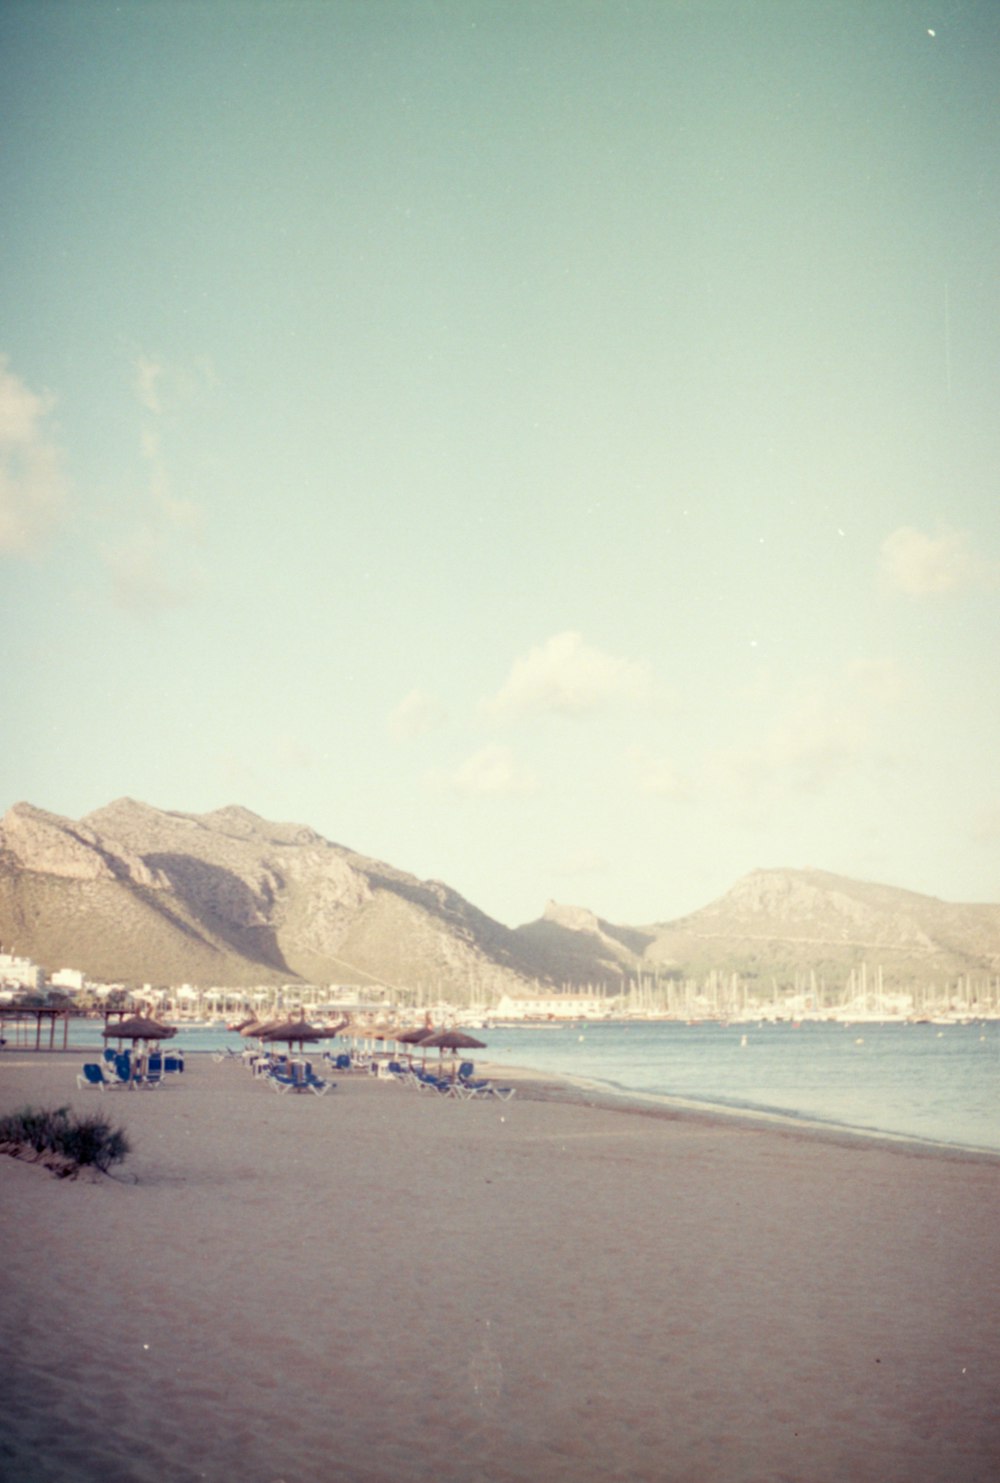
(587, 1093)
(581, 1091)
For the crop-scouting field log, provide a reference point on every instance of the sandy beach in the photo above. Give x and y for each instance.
(385, 1285)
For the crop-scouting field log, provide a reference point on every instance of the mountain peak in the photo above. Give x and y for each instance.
(573, 918)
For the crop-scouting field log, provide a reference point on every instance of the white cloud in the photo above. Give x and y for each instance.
(928, 566)
(148, 376)
(33, 488)
(179, 512)
(22, 411)
(163, 387)
(815, 735)
(492, 770)
(151, 565)
(416, 714)
(812, 742)
(569, 677)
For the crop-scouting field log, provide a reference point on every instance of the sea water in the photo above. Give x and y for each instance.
(939, 1083)
(932, 1082)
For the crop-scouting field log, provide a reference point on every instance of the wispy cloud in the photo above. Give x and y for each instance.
(153, 566)
(165, 387)
(815, 736)
(569, 677)
(33, 488)
(922, 565)
(180, 514)
(416, 714)
(492, 769)
(148, 375)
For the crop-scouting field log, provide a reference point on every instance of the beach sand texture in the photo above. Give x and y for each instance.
(386, 1285)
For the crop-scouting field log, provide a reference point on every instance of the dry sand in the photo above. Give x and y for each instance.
(386, 1285)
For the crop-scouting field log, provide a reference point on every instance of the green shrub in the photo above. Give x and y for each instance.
(88, 1141)
(92, 1140)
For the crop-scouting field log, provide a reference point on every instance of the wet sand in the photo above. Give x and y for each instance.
(387, 1285)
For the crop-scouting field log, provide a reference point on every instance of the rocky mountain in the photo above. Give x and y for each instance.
(782, 922)
(579, 947)
(136, 894)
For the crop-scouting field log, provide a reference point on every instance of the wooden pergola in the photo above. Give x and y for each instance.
(18, 1020)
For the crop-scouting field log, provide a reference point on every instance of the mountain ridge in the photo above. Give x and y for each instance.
(139, 894)
(230, 898)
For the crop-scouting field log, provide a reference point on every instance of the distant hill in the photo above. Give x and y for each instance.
(782, 922)
(137, 894)
(579, 947)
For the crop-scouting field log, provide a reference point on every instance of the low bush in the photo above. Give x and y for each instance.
(78, 1142)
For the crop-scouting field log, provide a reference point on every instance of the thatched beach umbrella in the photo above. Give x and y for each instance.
(411, 1039)
(138, 1027)
(453, 1040)
(294, 1032)
(414, 1037)
(256, 1029)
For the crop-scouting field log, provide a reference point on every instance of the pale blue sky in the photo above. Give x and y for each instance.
(551, 447)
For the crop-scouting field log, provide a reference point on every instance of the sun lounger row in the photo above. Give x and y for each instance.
(281, 1072)
(462, 1086)
(346, 1061)
(120, 1069)
(298, 1076)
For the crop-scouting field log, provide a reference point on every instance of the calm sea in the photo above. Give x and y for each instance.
(934, 1082)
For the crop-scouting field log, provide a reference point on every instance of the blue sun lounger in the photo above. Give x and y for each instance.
(93, 1075)
(299, 1078)
(484, 1089)
(428, 1083)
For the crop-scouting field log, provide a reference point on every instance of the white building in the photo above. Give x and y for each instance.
(70, 980)
(19, 973)
(553, 1007)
